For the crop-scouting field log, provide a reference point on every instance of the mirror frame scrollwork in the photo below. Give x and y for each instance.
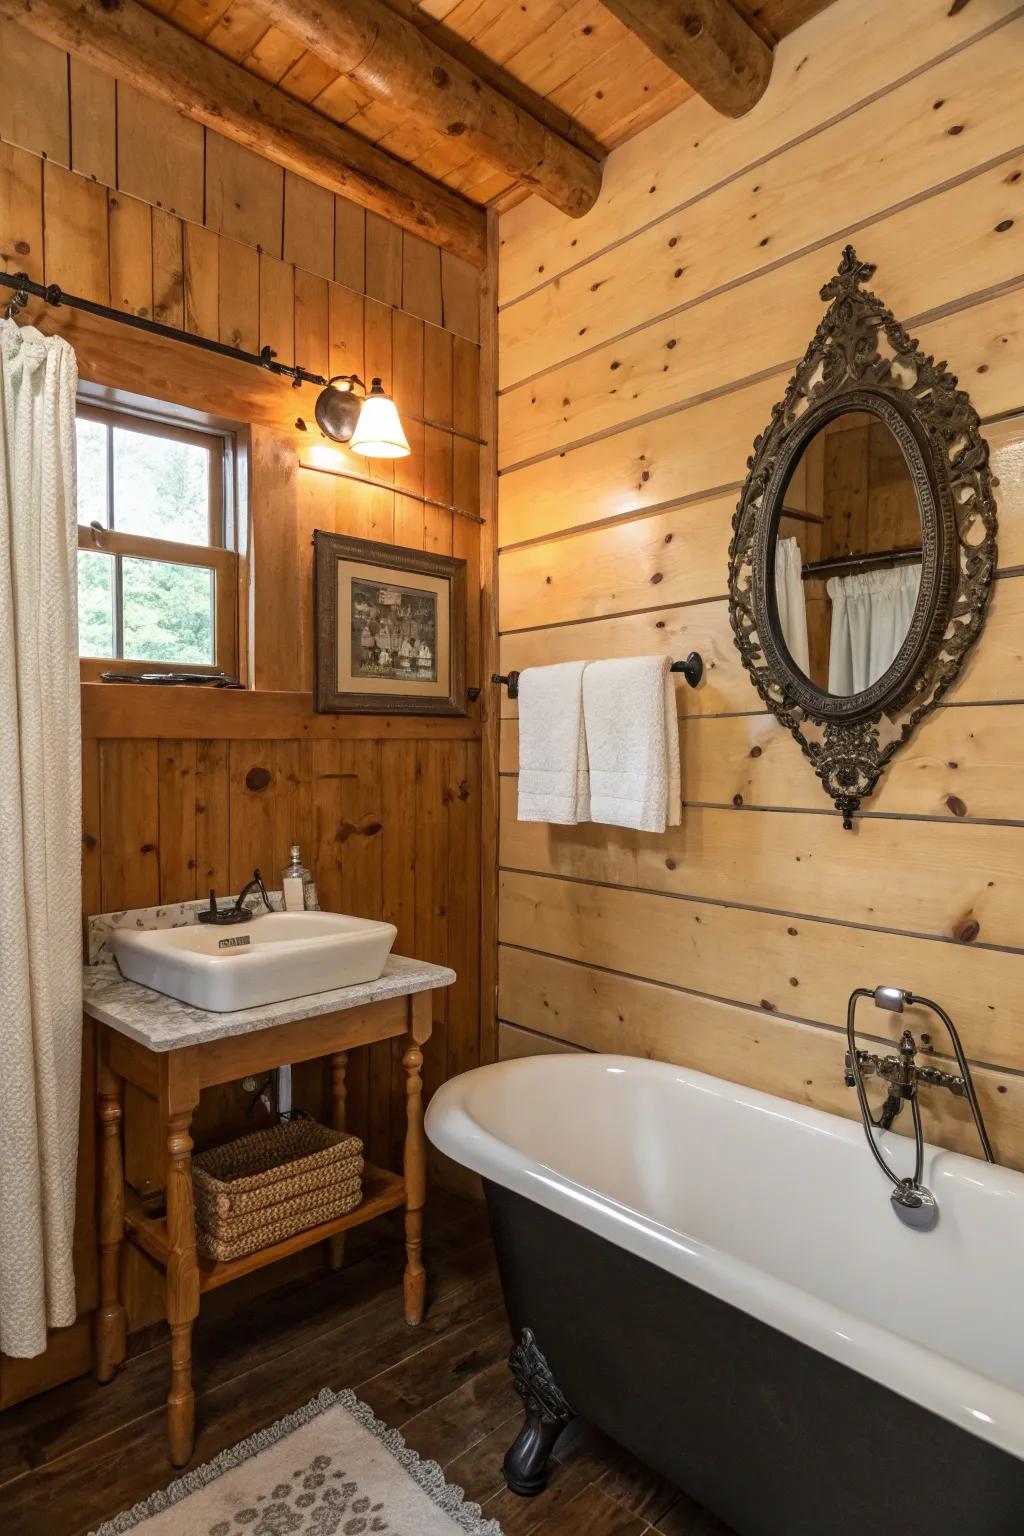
(861, 359)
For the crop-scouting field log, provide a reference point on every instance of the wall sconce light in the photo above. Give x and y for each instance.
(368, 423)
(378, 432)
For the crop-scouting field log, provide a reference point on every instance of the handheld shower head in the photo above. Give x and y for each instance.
(894, 999)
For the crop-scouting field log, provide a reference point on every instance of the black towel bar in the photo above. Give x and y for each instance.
(692, 669)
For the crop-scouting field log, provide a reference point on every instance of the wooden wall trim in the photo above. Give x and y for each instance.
(136, 711)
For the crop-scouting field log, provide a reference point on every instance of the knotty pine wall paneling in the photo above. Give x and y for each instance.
(640, 351)
(113, 196)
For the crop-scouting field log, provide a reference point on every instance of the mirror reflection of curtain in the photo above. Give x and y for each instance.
(789, 594)
(871, 614)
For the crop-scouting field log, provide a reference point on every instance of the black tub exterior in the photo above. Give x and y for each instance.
(768, 1434)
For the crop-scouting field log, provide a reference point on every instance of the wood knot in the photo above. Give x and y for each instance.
(956, 805)
(258, 779)
(693, 26)
(455, 129)
(966, 931)
(439, 76)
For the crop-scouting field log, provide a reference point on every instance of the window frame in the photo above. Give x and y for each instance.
(220, 556)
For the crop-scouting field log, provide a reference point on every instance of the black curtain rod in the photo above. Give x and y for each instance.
(51, 294)
(880, 557)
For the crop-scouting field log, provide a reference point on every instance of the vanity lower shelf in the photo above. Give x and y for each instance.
(382, 1192)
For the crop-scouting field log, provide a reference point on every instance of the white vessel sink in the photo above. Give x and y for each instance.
(272, 959)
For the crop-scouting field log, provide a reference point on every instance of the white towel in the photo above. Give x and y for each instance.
(553, 783)
(629, 707)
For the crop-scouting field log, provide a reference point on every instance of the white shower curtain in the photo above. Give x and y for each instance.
(871, 614)
(40, 838)
(789, 594)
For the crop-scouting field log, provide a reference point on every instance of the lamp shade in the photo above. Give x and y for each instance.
(378, 433)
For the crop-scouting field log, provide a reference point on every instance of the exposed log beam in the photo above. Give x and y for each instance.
(492, 73)
(708, 43)
(392, 59)
(143, 50)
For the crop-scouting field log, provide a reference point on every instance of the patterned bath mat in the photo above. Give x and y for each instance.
(331, 1469)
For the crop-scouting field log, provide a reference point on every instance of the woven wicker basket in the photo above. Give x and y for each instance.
(266, 1187)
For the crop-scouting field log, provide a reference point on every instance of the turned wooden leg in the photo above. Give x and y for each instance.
(182, 1286)
(415, 1185)
(339, 1067)
(109, 1335)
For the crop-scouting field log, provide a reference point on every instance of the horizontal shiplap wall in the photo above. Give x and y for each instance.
(641, 350)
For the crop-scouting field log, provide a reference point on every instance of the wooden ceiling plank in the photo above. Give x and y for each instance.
(708, 43)
(387, 54)
(145, 51)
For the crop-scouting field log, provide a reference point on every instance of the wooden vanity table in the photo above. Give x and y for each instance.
(171, 1052)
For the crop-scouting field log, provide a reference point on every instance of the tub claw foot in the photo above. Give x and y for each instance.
(547, 1413)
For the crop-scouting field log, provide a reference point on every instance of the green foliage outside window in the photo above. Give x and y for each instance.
(159, 489)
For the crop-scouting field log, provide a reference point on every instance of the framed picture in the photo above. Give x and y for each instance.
(390, 629)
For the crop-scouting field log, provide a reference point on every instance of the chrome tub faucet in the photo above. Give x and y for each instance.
(913, 1203)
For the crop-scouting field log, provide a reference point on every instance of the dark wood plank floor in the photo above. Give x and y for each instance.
(75, 1456)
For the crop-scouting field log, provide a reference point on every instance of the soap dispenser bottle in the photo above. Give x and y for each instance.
(298, 886)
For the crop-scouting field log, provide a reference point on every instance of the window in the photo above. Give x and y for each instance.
(157, 574)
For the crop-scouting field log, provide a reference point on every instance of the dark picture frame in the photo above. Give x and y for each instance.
(390, 629)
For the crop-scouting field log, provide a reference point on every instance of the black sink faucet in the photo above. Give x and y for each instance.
(256, 883)
(239, 912)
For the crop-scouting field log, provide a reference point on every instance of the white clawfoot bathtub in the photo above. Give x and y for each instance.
(778, 1212)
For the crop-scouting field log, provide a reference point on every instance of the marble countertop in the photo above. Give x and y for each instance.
(163, 1024)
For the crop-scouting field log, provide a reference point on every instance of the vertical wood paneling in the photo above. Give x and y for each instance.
(77, 251)
(383, 260)
(21, 212)
(349, 244)
(202, 282)
(345, 330)
(311, 322)
(93, 123)
(131, 255)
(398, 877)
(432, 877)
(176, 789)
(252, 782)
(213, 810)
(421, 278)
(244, 195)
(308, 226)
(34, 106)
(238, 295)
(360, 854)
(92, 894)
(277, 308)
(409, 390)
(168, 269)
(160, 154)
(130, 818)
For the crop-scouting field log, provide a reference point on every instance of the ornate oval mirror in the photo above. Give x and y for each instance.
(864, 542)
